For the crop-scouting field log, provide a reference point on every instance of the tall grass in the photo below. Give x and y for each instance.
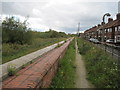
(102, 69)
(11, 51)
(65, 76)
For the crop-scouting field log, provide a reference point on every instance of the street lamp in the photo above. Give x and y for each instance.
(107, 14)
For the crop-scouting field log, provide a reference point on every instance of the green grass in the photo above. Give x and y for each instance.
(65, 77)
(13, 51)
(103, 71)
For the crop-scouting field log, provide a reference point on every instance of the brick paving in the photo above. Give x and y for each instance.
(32, 75)
(25, 59)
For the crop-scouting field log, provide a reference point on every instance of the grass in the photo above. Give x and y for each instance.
(13, 51)
(103, 71)
(65, 77)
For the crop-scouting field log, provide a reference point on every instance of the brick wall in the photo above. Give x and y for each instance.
(40, 73)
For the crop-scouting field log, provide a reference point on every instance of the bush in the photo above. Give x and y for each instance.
(102, 70)
(14, 31)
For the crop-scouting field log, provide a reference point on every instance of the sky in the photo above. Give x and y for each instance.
(60, 15)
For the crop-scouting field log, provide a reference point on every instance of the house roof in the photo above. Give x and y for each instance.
(117, 23)
(110, 24)
(107, 25)
(92, 29)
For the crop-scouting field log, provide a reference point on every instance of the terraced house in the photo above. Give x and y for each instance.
(110, 30)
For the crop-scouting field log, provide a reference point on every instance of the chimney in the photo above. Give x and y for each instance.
(99, 25)
(118, 16)
(102, 23)
(110, 19)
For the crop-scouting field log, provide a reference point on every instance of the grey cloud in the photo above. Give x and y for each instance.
(63, 16)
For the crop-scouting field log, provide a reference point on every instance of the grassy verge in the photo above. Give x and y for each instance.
(13, 51)
(102, 70)
(65, 76)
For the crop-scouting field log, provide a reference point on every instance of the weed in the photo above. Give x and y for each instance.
(31, 62)
(23, 66)
(58, 45)
(11, 69)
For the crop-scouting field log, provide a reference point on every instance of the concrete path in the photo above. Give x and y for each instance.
(32, 75)
(25, 59)
(81, 81)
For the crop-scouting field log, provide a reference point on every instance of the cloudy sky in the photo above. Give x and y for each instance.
(60, 15)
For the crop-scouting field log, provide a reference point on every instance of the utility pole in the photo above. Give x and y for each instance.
(119, 7)
(78, 29)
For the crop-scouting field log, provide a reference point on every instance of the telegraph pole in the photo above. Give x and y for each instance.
(78, 29)
(119, 7)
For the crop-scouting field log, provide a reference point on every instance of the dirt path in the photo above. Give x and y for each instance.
(81, 81)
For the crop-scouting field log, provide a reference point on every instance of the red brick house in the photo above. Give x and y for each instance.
(110, 30)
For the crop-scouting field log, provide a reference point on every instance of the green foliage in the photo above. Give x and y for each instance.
(83, 46)
(14, 31)
(50, 34)
(11, 70)
(102, 70)
(13, 51)
(19, 40)
(65, 76)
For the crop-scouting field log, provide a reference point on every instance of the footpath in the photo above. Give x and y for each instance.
(81, 81)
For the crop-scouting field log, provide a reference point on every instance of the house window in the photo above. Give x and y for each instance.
(105, 30)
(116, 29)
(110, 30)
(118, 38)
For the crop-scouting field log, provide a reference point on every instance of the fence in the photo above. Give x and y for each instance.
(113, 50)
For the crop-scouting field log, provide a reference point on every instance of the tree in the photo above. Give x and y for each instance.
(14, 31)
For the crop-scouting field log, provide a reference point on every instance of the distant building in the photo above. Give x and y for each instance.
(110, 30)
(81, 35)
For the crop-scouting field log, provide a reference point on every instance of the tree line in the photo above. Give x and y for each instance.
(15, 31)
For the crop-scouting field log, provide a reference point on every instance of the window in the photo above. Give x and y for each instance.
(116, 29)
(106, 30)
(110, 30)
(118, 38)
